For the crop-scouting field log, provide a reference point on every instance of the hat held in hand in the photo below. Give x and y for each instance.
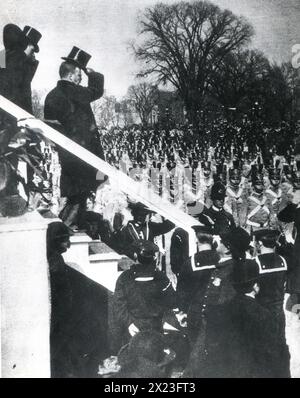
(32, 36)
(78, 57)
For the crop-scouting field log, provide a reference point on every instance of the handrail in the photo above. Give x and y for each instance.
(126, 184)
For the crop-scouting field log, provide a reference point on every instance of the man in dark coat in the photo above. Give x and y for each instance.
(240, 343)
(70, 105)
(273, 275)
(195, 281)
(58, 241)
(21, 65)
(143, 294)
(291, 214)
(78, 327)
(15, 80)
(216, 216)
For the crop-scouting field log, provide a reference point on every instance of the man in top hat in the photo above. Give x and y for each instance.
(258, 208)
(143, 294)
(216, 216)
(236, 196)
(21, 65)
(273, 276)
(141, 228)
(70, 104)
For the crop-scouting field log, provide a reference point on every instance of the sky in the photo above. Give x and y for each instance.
(104, 28)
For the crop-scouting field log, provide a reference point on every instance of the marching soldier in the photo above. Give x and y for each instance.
(236, 196)
(275, 196)
(206, 183)
(221, 174)
(258, 212)
(294, 191)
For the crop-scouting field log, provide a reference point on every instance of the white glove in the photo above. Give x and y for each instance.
(181, 318)
(133, 330)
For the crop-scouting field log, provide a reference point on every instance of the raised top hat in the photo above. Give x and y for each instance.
(13, 37)
(218, 191)
(32, 36)
(78, 57)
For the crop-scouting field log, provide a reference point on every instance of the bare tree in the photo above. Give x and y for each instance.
(105, 111)
(183, 43)
(127, 109)
(144, 97)
(239, 80)
(283, 90)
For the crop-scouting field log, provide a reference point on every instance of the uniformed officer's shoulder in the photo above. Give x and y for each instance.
(207, 259)
(271, 263)
(127, 274)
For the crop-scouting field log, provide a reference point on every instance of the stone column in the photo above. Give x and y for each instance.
(25, 297)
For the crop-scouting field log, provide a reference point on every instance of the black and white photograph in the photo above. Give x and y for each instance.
(150, 191)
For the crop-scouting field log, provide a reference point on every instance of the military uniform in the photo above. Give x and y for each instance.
(236, 204)
(179, 249)
(291, 214)
(141, 297)
(205, 184)
(273, 275)
(237, 340)
(258, 211)
(135, 231)
(219, 219)
(195, 283)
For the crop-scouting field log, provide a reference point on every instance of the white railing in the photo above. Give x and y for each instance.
(127, 185)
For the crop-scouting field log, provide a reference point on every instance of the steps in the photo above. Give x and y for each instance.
(94, 259)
